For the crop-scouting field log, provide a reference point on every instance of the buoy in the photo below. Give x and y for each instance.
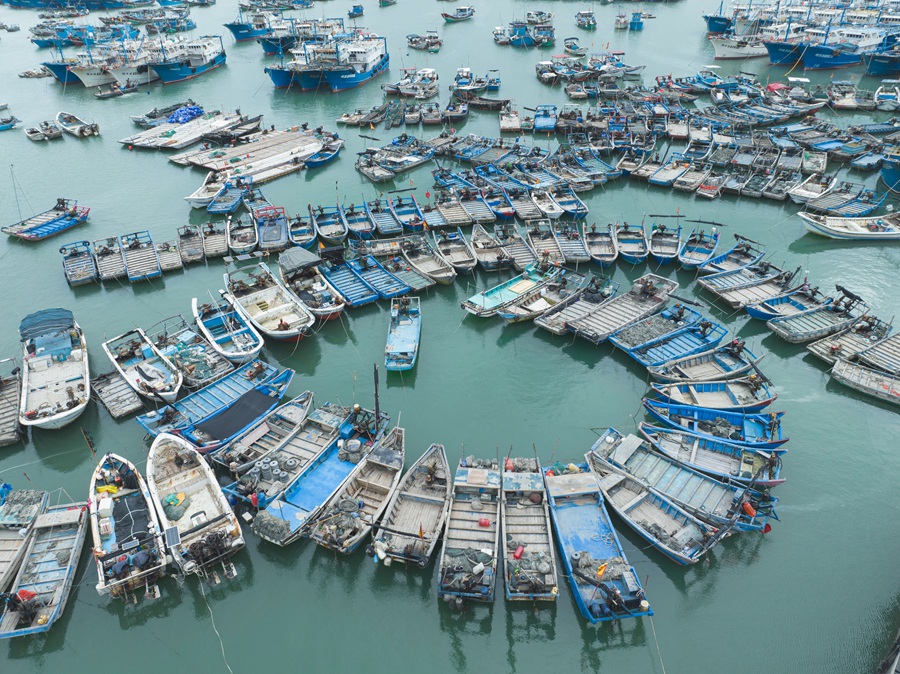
(484, 522)
(749, 509)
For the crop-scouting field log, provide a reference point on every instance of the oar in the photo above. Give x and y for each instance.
(710, 222)
(369, 137)
(686, 301)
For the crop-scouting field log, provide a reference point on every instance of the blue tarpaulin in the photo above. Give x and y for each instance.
(185, 114)
(44, 322)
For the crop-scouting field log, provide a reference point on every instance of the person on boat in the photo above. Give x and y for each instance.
(705, 327)
(678, 316)
(755, 383)
(648, 287)
(736, 347)
(593, 228)
(283, 325)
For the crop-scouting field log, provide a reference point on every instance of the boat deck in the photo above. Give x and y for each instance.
(845, 344)
(141, 262)
(80, 268)
(525, 207)
(116, 395)
(453, 213)
(169, 256)
(527, 524)
(478, 211)
(866, 380)
(110, 261)
(742, 297)
(263, 151)
(884, 356)
(350, 286)
(170, 136)
(810, 325)
(598, 324)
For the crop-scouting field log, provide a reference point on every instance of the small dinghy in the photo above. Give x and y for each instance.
(632, 243)
(128, 539)
(19, 509)
(606, 587)
(414, 518)
(744, 253)
(542, 240)
(742, 394)
(761, 431)
(301, 275)
(37, 597)
(229, 333)
(664, 244)
(143, 366)
(75, 126)
(190, 243)
(602, 246)
(404, 333)
(725, 362)
(348, 517)
(468, 564)
(79, 264)
(56, 386)
(425, 260)
(215, 239)
(242, 235)
(453, 248)
(201, 531)
(491, 254)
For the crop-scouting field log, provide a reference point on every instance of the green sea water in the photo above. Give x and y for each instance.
(820, 593)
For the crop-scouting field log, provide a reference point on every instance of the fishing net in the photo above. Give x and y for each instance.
(270, 527)
(459, 568)
(20, 505)
(520, 465)
(658, 533)
(648, 329)
(588, 565)
(196, 362)
(472, 462)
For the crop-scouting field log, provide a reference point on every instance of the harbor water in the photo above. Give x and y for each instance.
(819, 593)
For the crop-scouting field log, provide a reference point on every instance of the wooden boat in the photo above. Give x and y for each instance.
(75, 126)
(533, 304)
(514, 245)
(468, 563)
(110, 259)
(369, 270)
(846, 343)
(414, 517)
(79, 264)
(191, 354)
(603, 246)
(450, 208)
(499, 203)
(329, 224)
(270, 455)
(64, 215)
(674, 333)
(632, 243)
(725, 362)
(190, 243)
(546, 204)
(454, 249)
(227, 331)
(883, 355)
(300, 274)
(404, 333)
(169, 255)
(201, 531)
(242, 235)
(215, 238)
(542, 240)
(744, 253)
(742, 394)
(382, 218)
(754, 283)
(761, 431)
(38, 595)
(55, 387)
(274, 229)
(128, 545)
(289, 516)
(664, 244)
(606, 587)
(141, 260)
(407, 214)
(356, 291)
(347, 518)
(713, 502)
(143, 365)
(19, 509)
(302, 232)
(723, 460)
(570, 242)
(490, 253)
(210, 187)
(426, 261)
(679, 536)
(867, 380)
(529, 560)
(358, 223)
(489, 302)
(795, 300)
(475, 206)
(647, 295)
(255, 292)
(11, 430)
(884, 228)
(821, 321)
(595, 291)
(229, 197)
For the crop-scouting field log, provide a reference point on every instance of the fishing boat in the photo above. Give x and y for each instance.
(407, 213)
(256, 293)
(348, 517)
(459, 14)
(425, 260)
(190, 243)
(355, 12)
(664, 244)
(301, 275)
(382, 218)
(369, 270)
(128, 545)
(744, 253)
(570, 242)
(846, 343)
(537, 302)
(723, 460)
(674, 333)
(713, 502)
(288, 517)
(597, 290)
(226, 330)
(227, 199)
(490, 253)
(404, 333)
(358, 223)
(302, 232)
(222, 426)
(55, 385)
(647, 295)
(679, 536)
(603, 246)
(207, 400)
(193, 59)
(606, 587)
(273, 228)
(741, 394)
(141, 260)
(145, 368)
(191, 354)
(11, 430)
(455, 250)
(330, 225)
(542, 239)
(201, 531)
(725, 362)
(414, 517)
(37, 597)
(546, 204)
(885, 228)
(356, 291)
(632, 243)
(468, 562)
(270, 455)
(750, 284)
(489, 302)
(169, 255)
(821, 321)
(514, 245)
(698, 248)
(74, 126)
(79, 264)
(529, 567)
(815, 186)
(760, 431)
(242, 235)
(110, 259)
(64, 215)
(793, 301)
(215, 238)
(19, 509)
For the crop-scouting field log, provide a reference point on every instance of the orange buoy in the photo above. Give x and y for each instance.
(749, 509)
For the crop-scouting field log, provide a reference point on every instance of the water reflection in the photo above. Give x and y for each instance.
(528, 623)
(405, 379)
(462, 626)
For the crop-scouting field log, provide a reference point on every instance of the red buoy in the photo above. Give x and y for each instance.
(749, 509)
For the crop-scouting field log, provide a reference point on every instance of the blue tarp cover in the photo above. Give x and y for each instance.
(44, 322)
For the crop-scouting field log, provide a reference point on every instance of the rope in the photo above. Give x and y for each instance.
(656, 641)
(219, 636)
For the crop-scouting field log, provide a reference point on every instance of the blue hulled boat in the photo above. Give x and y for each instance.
(203, 54)
(382, 217)
(697, 248)
(368, 269)
(404, 331)
(227, 330)
(256, 25)
(606, 587)
(762, 431)
(724, 362)
(64, 215)
(489, 302)
(357, 291)
(747, 394)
